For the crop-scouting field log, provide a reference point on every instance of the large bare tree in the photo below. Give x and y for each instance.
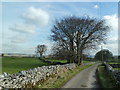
(41, 49)
(75, 34)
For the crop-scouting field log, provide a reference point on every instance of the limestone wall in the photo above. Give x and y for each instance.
(115, 74)
(24, 79)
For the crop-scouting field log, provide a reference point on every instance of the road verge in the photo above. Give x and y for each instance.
(63, 77)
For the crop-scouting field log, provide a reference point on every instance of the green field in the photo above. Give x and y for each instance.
(13, 65)
(116, 68)
(65, 61)
(0, 65)
(113, 63)
(62, 61)
(16, 64)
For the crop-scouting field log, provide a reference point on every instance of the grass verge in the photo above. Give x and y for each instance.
(104, 79)
(63, 77)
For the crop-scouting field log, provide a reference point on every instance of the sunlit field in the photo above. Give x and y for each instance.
(16, 64)
(13, 65)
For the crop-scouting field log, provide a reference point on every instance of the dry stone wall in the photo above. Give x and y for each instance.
(24, 79)
(114, 73)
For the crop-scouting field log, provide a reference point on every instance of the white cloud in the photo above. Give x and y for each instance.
(18, 40)
(113, 39)
(16, 48)
(33, 17)
(112, 20)
(24, 28)
(113, 47)
(36, 16)
(10, 47)
(112, 43)
(96, 6)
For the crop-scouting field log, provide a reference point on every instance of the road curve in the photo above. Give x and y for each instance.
(85, 79)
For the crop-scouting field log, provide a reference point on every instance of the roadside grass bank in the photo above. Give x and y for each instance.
(59, 80)
(104, 79)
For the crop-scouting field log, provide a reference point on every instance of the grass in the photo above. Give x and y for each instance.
(86, 61)
(65, 61)
(113, 63)
(13, 65)
(105, 79)
(16, 64)
(63, 77)
(116, 68)
(62, 61)
(0, 65)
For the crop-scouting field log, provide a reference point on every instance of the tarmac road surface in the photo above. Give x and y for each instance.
(85, 79)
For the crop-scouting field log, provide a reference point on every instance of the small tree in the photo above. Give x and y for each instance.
(2, 55)
(41, 49)
(103, 55)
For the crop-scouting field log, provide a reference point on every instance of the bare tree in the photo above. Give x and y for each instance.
(75, 34)
(60, 53)
(41, 49)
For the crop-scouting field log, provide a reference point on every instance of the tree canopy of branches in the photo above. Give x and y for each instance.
(41, 49)
(104, 55)
(75, 34)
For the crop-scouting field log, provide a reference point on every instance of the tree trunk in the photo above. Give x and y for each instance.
(80, 57)
(40, 56)
(71, 50)
(68, 61)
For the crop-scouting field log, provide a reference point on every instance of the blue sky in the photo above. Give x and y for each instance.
(27, 24)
